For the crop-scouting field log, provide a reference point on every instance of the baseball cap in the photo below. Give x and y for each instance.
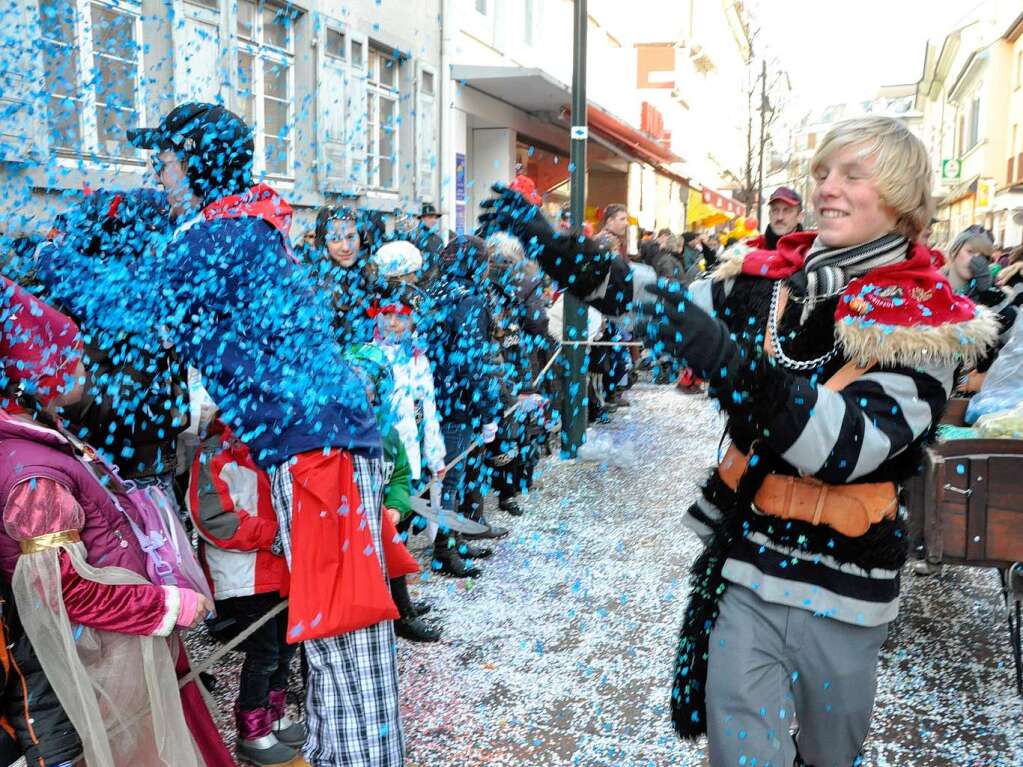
(185, 127)
(786, 195)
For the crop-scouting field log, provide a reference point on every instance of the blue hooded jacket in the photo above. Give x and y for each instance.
(260, 335)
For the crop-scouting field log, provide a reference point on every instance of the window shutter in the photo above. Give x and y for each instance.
(23, 129)
(331, 156)
(197, 55)
(357, 106)
(426, 132)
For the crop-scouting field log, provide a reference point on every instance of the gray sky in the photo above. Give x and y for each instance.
(842, 50)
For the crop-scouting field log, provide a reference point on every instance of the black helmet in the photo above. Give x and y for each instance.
(216, 144)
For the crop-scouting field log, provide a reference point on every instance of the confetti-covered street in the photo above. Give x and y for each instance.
(561, 653)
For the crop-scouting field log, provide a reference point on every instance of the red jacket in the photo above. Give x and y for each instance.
(230, 503)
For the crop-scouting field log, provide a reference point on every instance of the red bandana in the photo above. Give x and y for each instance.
(376, 309)
(909, 293)
(261, 201)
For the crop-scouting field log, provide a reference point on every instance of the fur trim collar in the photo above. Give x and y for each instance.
(917, 346)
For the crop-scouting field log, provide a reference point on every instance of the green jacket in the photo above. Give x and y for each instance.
(399, 487)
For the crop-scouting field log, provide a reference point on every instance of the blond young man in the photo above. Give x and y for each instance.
(832, 358)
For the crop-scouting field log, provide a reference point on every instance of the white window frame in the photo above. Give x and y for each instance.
(529, 25)
(89, 148)
(375, 92)
(195, 13)
(426, 152)
(262, 52)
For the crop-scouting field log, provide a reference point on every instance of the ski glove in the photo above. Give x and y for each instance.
(575, 262)
(673, 324)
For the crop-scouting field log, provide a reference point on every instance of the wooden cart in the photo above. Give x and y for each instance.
(967, 509)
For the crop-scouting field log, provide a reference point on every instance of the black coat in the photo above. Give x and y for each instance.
(42, 731)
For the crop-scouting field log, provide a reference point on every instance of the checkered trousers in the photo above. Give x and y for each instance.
(352, 713)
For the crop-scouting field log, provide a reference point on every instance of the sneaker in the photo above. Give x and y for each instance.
(415, 630)
(289, 732)
(266, 751)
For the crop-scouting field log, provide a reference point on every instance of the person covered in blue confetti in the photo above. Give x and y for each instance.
(832, 358)
(468, 394)
(99, 605)
(237, 306)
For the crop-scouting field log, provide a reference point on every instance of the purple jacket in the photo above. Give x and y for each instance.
(28, 451)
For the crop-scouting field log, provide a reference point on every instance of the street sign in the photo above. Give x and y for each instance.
(985, 191)
(951, 170)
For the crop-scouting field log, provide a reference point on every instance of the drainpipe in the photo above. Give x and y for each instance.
(445, 163)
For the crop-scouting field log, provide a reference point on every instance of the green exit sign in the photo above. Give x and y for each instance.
(951, 170)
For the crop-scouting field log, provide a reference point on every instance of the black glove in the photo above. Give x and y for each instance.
(673, 324)
(575, 262)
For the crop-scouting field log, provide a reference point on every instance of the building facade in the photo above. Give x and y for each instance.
(971, 97)
(379, 104)
(344, 99)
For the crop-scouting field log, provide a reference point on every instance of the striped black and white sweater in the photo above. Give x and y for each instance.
(872, 431)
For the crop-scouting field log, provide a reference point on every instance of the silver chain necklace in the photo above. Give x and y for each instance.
(783, 358)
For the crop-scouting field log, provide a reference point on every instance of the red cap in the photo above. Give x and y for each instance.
(786, 195)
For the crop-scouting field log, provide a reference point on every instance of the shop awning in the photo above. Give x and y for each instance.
(960, 192)
(534, 91)
(633, 140)
(708, 208)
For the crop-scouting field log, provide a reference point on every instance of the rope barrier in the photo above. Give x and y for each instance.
(192, 675)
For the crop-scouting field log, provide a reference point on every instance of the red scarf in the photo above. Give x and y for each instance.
(909, 293)
(261, 201)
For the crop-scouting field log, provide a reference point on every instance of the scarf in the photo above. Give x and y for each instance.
(826, 271)
(261, 201)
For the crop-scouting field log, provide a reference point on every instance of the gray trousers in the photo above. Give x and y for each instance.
(772, 665)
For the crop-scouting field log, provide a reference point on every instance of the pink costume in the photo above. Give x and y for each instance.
(102, 631)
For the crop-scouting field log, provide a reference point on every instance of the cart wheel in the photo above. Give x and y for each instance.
(1012, 590)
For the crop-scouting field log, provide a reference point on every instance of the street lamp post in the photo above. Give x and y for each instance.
(575, 355)
(760, 164)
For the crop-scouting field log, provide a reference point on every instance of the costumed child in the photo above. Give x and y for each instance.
(375, 369)
(98, 599)
(240, 548)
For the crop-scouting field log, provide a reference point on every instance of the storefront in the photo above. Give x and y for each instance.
(509, 118)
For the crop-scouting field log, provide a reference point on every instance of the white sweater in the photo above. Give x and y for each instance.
(413, 386)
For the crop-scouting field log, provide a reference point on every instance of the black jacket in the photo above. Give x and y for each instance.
(42, 731)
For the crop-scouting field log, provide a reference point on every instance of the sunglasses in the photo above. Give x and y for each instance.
(159, 165)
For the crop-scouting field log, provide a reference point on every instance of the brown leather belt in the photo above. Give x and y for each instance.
(848, 509)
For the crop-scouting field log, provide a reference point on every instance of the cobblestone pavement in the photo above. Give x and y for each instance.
(561, 654)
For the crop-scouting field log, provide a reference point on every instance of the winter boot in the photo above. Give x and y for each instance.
(288, 731)
(415, 630)
(256, 741)
(507, 503)
(466, 551)
(447, 561)
(409, 626)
